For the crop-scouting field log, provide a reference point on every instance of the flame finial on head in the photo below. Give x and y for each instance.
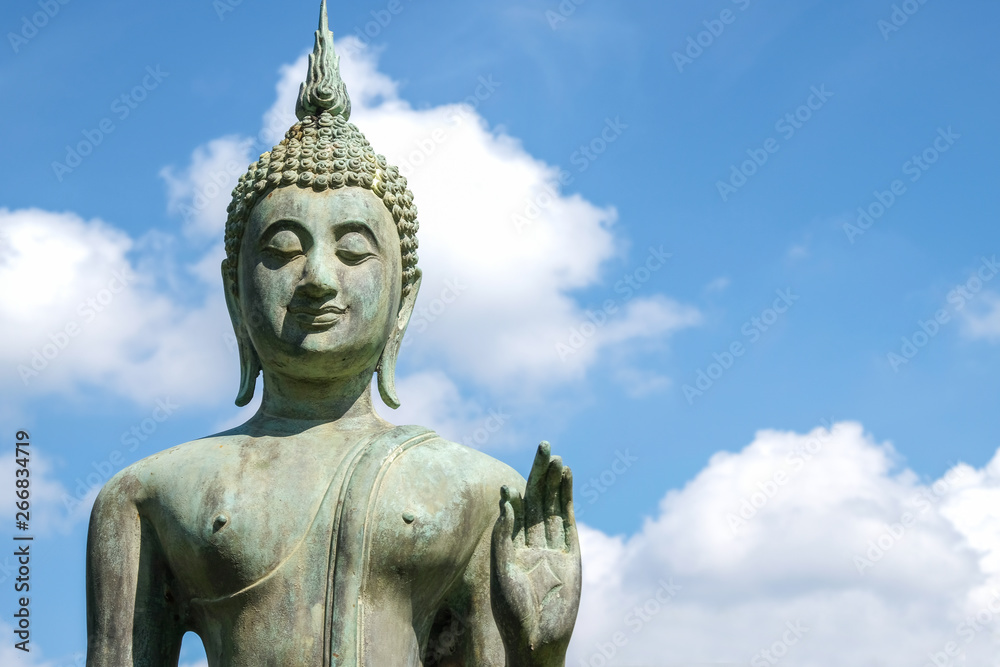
(323, 89)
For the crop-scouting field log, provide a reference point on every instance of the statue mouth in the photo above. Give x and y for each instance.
(319, 318)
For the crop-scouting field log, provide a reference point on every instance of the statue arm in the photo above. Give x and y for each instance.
(472, 632)
(466, 632)
(129, 615)
(520, 591)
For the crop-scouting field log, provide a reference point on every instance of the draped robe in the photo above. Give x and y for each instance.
(340, 534)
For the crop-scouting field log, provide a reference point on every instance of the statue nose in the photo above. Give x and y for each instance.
(320, 272)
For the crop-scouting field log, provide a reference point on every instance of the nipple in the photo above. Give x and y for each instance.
(219, 523)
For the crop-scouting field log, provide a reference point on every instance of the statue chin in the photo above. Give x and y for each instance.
(317, 533)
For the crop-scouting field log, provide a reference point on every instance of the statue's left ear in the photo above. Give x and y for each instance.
(387, 362)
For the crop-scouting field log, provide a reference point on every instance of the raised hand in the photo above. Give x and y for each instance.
(535, 573)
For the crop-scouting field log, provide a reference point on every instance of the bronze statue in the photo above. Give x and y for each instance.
(317, 533)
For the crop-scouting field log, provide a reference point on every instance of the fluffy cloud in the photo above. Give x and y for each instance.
(816, 546)
(201, 192)
(433, 400)
(81, 312)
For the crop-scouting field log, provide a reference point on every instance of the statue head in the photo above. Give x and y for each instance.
(322, 195)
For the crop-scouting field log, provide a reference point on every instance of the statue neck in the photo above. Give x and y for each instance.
(288, 398)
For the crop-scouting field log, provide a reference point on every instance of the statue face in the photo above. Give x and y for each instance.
(319, 281)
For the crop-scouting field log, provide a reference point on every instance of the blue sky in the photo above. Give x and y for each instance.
(645, 123)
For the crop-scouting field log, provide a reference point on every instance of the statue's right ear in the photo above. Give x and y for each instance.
(249, 361)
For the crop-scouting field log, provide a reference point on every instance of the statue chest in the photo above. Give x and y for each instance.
(257, 522)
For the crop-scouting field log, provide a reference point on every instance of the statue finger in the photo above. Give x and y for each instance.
(568, 514)
(534, 496)
(553, 507)
(513, 498)
(503, 530)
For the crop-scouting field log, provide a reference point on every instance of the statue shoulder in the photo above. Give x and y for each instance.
(461, 470)
(142, 480)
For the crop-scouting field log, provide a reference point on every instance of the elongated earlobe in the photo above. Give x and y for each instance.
(249, 361)
(249, 369)
(387, 362)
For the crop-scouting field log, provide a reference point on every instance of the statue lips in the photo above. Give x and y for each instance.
(317, 318)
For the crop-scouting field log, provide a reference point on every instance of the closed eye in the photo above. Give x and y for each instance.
(284, 243)
(354, 248)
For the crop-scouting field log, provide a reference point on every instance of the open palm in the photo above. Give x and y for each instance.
(535, 573)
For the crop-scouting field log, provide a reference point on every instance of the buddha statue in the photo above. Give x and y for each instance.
(318, 534)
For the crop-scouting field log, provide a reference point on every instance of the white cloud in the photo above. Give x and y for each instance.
(202, 191)
(82, 313)
(982, 319)
(879, 568)
(432, 399)
(13, 657)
